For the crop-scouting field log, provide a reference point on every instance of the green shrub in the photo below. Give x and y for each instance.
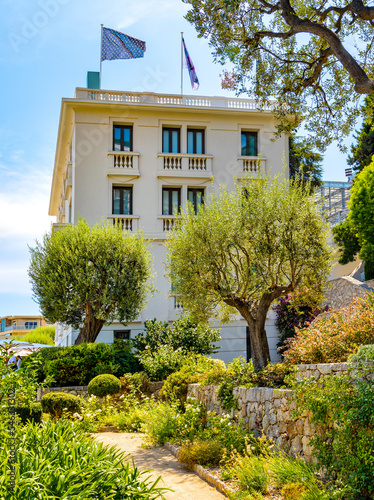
(236, 374)
(162, 362)
(184, 335)
(104, 385)
(40, 335)
(364, 353)
(78, 364)
(232, 436)
(55, 403)
(193, 369)
(332, 338)
(32, 413)
(161, 424)
(57, 461)
(137, 384)
(208, 453)
(343, 407)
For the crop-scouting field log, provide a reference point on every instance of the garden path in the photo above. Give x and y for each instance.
(185, 483)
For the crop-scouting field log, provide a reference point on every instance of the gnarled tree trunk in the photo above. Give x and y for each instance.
(91, 327)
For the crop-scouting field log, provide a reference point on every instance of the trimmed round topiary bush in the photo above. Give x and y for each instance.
(104, 385)
(55, 403)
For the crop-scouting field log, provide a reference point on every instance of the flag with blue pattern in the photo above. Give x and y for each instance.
(116, 45)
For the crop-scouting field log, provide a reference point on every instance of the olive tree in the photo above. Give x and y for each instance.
(246, 248)
(86, 276)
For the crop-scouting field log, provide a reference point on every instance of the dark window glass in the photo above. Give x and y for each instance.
(30, 325)
(196, 197)
(171, 200)
(249, 144)
(195, 141)
(170, 140)
(122, 200)
(121, 334)
(122, 138)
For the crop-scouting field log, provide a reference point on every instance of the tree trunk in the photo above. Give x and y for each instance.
(258, 339)
(91, 327)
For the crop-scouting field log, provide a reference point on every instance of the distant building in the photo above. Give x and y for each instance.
(138, 157)
(334, 197)
(19, 325)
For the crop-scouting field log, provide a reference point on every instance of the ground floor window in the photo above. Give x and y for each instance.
(121, 334)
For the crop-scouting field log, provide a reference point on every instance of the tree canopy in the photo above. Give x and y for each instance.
(245, 249)
(362, 152)
(86, 276)
(305, 164)
(355, 235)
(315, 59)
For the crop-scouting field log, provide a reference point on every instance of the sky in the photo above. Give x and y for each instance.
(46, 49)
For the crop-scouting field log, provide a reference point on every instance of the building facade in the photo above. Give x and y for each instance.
(19, 325)
(137, 157)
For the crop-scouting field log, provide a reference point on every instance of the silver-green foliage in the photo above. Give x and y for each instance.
(246, 248)
(92, 274)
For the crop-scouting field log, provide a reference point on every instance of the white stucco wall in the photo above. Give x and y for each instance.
(86, 128)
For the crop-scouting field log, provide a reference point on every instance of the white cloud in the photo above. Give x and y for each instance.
(24, 203)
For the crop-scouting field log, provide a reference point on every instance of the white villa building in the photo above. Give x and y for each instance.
(139, 156)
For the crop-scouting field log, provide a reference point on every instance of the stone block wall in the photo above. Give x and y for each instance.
(342, 291)
(79, 390)
(269, 411)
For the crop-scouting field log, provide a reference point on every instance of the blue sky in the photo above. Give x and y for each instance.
(46, 49)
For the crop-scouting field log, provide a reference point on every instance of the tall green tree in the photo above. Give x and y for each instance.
(86, 276)
(245, 249)
(299, 53)
(355, 236)
(304, 163)
(362, 152)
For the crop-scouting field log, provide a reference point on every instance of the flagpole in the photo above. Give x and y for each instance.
(182, 62)
(101, 55)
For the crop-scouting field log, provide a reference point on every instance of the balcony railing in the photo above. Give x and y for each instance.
(150, 98)
(123, 160)
(251, 163)
(127, 222)
(18, 328)
(183, 162)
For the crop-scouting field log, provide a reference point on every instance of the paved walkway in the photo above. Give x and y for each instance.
(185, 483)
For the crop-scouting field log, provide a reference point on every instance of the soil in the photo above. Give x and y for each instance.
(186, 485)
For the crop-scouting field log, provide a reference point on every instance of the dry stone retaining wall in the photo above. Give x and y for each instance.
(269, 411)
(78, 390)
(81, 390)
(342, 291)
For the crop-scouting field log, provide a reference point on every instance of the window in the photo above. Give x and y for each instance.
(195, 141)
(170, 140)
(121, 334)
(30, 325)
(249, 144)
(196, 197)
(122, 200)
(171, 200)
(122, 138)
